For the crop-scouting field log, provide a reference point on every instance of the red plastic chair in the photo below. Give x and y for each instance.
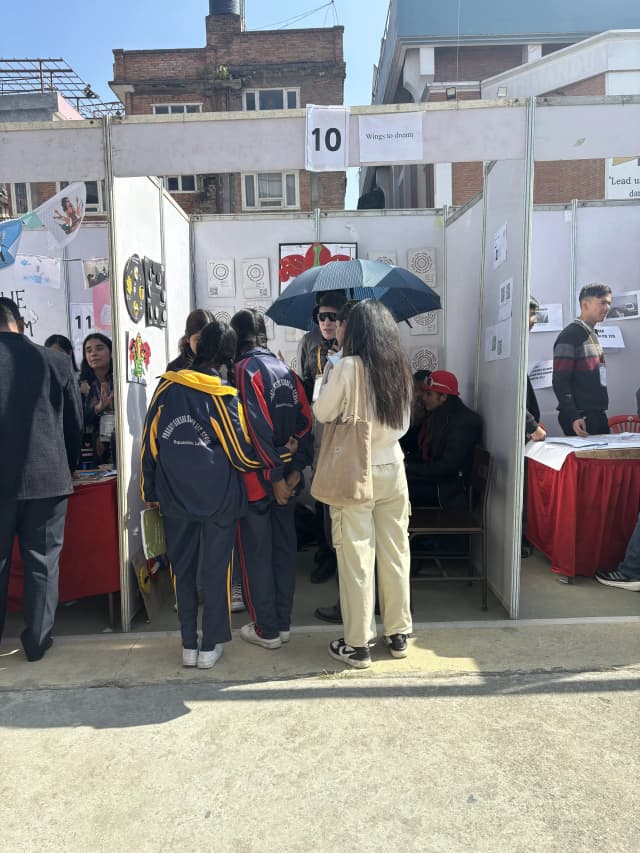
(625, 423)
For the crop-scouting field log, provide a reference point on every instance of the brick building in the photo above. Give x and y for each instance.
(240, 70)
(480, 49)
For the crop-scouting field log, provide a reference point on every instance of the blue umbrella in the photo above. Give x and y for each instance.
(10, 233)
(403, 293)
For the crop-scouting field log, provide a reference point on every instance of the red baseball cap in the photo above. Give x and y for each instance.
(442, 382)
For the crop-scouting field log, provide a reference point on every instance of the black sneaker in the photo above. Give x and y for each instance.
(397, 645)
(357, 656)
(616, 578)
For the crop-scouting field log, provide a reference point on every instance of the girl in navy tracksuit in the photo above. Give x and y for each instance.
(194, 446)
(276, 407)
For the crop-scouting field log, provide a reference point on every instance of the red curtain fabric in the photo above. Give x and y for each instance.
(582, 516)
(89, 562)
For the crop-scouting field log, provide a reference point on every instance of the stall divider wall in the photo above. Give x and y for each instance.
(137, 226)
(508, 201)
(461, 315)
(551, 272)
(176, 258)
(608, 251)
(234, 239)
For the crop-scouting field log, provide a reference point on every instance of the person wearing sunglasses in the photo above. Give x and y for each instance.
(313, 351)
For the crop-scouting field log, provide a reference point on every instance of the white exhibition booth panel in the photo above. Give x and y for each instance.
(502, 359)
(608, 251)
(574, 246)
(146, 222)
(232, 241)
(143, 221)
(461, 306)
(551, 277)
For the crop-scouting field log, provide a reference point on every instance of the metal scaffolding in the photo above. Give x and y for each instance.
(54, 75)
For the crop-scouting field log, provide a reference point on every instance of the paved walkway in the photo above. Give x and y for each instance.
(510, 738)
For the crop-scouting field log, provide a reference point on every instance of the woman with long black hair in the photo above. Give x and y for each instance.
(195, 323)
(376, 531)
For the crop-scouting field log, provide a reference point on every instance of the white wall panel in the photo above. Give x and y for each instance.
(608, 251)
(461, 311)
(501, 386)
(59, 151)
(177, 262)
(550, 283)
(136, 223)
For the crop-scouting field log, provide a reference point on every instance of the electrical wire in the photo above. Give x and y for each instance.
(297, 18)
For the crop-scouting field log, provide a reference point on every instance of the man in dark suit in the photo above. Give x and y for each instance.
(40, 428)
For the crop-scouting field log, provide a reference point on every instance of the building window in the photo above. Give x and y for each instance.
(24, 197)
(95, 195)
(180, 183)
(264, 190)
(271, 99)
(176, 109)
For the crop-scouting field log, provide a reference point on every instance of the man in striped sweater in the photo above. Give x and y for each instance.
(579, 372)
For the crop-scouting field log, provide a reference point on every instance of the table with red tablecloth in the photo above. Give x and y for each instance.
(89, 562)
(582, 516)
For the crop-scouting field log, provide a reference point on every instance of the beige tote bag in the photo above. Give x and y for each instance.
(343, 471)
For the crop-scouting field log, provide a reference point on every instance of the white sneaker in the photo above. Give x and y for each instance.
(248, 633)
(206, 660)
(285, 636)
(237, 601)
(189, 657)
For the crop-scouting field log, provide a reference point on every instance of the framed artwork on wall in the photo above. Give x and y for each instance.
(295, 258)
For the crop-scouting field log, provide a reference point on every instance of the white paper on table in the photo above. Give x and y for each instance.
(500, 246)
(549, 318)
(541, 374)
(610, 336)
(505, 299)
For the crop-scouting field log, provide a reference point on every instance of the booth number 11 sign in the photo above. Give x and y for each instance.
(327, 139)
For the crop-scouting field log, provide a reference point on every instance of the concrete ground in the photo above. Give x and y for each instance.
(495, 736)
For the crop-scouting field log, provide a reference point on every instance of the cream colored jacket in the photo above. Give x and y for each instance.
(335, 400)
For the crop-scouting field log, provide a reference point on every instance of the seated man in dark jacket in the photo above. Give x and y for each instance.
(438, 471)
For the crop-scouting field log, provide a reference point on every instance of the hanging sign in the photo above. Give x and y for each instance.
(392, 138)
(62, 215)
(327, 139)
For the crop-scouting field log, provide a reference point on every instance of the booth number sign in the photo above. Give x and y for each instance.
(327, 139)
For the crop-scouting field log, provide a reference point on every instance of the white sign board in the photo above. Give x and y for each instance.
(623, 177)
(541, 374)
(394, 138)
(327, 139)
(610, 336)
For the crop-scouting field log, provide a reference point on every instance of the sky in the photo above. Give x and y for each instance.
(85, 33)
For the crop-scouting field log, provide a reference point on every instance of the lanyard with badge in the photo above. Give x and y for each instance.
(318, 380)
(602, 369)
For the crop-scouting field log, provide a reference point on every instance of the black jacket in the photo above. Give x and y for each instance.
(40, 420)
(533, 410)
(458, 433)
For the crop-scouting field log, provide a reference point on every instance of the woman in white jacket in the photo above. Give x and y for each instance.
(374, 531)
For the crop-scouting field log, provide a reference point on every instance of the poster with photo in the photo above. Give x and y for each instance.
(221, 278)
(425, 358)
(138, 358)
(549, 318)
(256, 283)
(96, 270)
(388, 256)
(424, 324)
(624, 306)
(63, 214)
(43, 272)
(499, 255)
(295, 258)
(506, 299)
(422, 262)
